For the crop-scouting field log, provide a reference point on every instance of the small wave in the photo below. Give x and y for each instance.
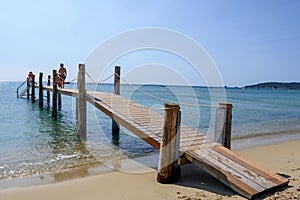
(3, 167)
(62, 157)
(237, 137)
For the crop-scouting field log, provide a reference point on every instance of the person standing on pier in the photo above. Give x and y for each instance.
(62, 74)
(29, 79)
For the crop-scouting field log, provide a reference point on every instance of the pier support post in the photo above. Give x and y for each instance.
(54, 95)
(59, 100)
(28, 86)
(81, 109)
(33, 89)
(48, 93)
(168, 169)
(41, 98)
(223, 124)
(115, 125)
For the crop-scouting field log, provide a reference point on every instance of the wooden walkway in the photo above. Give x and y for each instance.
(243, 176)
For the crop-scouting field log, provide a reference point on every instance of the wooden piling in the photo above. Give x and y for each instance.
(54, 95)
(168, 169)
(28, 90)
(33, 89)
(81, 123)
(223, 124)
(115, 125)
(59, 100)
(117, 80)
(76, 100)
(41, 97)
(48, 93)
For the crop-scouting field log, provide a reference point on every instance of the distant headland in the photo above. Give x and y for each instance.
(276, 85)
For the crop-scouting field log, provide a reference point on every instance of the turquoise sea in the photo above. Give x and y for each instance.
(32, 142)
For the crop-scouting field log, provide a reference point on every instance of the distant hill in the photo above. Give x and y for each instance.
(276, 85)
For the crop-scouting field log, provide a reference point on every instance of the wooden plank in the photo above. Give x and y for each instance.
(201, 145)
(67, 92)
(260, 180)
(271, 176)
(192, 131)
(186, 134)
(155, 124)
(157, 131)
(150, 133)
(145, 118)
(123, 121)
(193, 137)
(139, 116)
(235, 176)
(194, 143)
(226, 178)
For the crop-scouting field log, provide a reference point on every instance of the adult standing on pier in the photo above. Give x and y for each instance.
(62, 73)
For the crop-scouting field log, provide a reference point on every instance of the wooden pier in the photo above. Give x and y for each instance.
(178, 143)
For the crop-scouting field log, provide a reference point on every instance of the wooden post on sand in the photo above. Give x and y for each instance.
(168, 169)
(41, 98)
(223, 124)
(33, 89)
(115, 125)
(54, 95)
(81, 109)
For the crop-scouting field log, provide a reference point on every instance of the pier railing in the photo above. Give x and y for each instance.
(30, 84)
(20, 86)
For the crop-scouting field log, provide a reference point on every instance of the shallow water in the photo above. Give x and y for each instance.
(32, 142)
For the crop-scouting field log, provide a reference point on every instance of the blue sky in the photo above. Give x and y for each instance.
(249, 41)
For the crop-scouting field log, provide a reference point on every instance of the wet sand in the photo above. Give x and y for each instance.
(137, 180)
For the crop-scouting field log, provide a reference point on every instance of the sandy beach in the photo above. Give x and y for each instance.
(282, 158)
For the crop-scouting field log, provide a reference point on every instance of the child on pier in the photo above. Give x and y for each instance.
(29, 79)
(62, 74)
(59, 81)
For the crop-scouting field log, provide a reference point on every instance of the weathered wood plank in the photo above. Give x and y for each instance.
(133, 127)
(193, 138)
(186, 134)
(226, 178)
(251, 165)
(260, 180)
(196, 146)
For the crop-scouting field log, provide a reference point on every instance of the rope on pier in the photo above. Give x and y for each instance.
(98, 83)
(45, 79)
(127, 102)
(73, 80)
(148, 94)
(167, 100)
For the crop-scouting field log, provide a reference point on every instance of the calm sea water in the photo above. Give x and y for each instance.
(32, 142)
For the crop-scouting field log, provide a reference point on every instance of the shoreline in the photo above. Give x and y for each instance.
(150, 160)
(195, 184)
(251, 141)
